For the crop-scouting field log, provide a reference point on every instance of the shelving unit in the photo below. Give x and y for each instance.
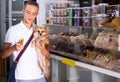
(96, 73)
(79, 70)
(90, 67)
(89, 73)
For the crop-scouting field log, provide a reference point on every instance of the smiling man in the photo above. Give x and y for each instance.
(27, 69)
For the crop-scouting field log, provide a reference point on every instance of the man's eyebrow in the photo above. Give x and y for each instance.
(27, 10)
(30, 11)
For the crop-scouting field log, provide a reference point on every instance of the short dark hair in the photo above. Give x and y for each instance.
(33, 3)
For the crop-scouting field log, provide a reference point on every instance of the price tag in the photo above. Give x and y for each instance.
(68, 61)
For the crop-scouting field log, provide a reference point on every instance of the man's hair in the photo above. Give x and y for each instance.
(33, 3)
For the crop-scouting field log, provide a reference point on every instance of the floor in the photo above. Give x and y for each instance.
(2, 70)
(2, 78)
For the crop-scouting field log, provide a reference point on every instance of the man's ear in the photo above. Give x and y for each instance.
(23, 11)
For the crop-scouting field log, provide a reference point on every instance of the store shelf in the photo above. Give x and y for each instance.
(66, 48)
(90, 67)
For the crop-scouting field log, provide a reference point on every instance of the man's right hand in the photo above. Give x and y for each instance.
(8, 49)
(18, 46)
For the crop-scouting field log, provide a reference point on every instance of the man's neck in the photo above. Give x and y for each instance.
(27, 24)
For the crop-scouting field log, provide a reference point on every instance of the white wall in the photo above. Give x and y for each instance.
(42, 12)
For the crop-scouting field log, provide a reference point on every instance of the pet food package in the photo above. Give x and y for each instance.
(119, 42)
(99, 19)
(103, 7)
(86, 16)
(113, 10)
(95, 10)
(107, 40)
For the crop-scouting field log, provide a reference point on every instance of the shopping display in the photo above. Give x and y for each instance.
(72, 14)
(94, 35)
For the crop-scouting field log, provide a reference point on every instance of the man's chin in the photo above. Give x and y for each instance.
(29, 22)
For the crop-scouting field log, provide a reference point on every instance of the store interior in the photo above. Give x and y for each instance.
(83, 34)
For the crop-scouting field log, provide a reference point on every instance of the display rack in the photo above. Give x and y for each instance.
(88, 66)
(89, 25)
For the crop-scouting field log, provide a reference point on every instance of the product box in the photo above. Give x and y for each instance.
(84, 3)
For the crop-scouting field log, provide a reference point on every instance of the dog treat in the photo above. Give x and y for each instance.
(107, 40)
(21, 41)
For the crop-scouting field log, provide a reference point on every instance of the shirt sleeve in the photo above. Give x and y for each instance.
(10, 36)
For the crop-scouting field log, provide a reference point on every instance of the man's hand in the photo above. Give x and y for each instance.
(18, 46)
(43, 49)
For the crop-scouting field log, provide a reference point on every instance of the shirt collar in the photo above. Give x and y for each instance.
(24, 27)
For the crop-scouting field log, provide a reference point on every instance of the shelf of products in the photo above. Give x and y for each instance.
(72, 62)
(98, 47)
(72, 14)
(88, 35)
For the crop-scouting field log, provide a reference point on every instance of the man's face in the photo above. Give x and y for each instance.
(30, 13)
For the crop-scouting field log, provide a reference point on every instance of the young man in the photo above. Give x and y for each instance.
(27, 69)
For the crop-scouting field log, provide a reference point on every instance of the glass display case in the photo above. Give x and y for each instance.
(92, 45)
(80, 72)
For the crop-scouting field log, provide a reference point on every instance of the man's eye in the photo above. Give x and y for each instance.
(34, 14)
(28, 12)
